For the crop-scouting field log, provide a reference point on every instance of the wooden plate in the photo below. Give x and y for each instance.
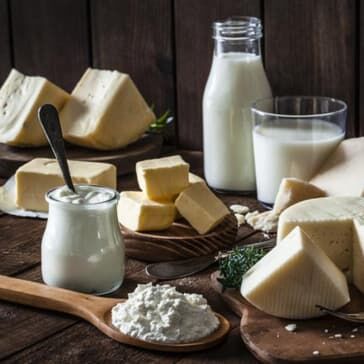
(269, 341)
(149, 146)
(179, 241)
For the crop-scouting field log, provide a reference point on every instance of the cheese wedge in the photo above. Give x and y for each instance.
(293, 190)
(35, 178)
(294, 277)
(201, 208)
(343, 173)
(106, 111)
(164, 178)
(20, 98)
(137, 213)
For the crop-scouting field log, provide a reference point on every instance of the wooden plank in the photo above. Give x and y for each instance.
(51, 39)
(194, 47)
(135, 37)
(310, 49)
(5, 50)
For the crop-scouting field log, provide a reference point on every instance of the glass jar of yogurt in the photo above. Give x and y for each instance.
(82, 246)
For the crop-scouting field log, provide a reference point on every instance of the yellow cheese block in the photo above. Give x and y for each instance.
(106, 111)
(20, 98)
(201, 208)
(164, 178)
(138, 213)
(193, 178)
(35, 178)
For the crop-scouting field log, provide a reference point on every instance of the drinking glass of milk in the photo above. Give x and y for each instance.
(236, 79)
(292, 137)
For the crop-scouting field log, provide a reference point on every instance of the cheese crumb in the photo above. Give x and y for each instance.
(355, 330)
(338, 336)
(266, 221)
(239, 209)
(326, 331)
(352, 336)
(316, 352)
(291, 327)
(240, 219)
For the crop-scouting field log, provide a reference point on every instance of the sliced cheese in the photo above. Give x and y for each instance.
(293, 190)
(20, 98)
(138, 213)
(163, 178)
(343, 173)
(106, 111)
(294, 277)
(35, 178)
(201, 208)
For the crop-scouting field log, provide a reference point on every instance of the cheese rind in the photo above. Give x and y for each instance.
(106, 111)
(138, 213)
(294, 277)
(35, 178)
(20, 98)
(163, 179)
(201, 208)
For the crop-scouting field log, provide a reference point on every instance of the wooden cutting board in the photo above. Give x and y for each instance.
(148, 146)
(269, 341)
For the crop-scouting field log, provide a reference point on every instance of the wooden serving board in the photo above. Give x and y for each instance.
(179, 241)
(148, 146)
(269, 341)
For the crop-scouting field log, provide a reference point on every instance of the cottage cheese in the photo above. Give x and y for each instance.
(160, 313)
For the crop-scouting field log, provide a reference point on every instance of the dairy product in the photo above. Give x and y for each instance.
(201, 208)
(20, 98)
(239, 209)
(294, 277)
(235, 81)
(38, 176)
(138, 213)
(82, 247)
(193, 178)
(266, 221)
(164, 178)
(334, 224)
(161, 314)
(106, 111)
(343, 174)
(291, 148)
(293, 190)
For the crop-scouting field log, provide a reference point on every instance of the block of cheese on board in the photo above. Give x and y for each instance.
(293, 277)
(35, 178)
(335, 224)
(293, 190)
(343, 173)
(106, 111)
(193, 178)
(163, 179)
(201, 208)
(138, 213)
(20, 98)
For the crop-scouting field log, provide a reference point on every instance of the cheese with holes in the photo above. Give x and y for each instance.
(294, 277)
(138, 213)
(335, 224)
(106, 111)
(35, 178)
(201, 208)
(20, 98)
(293, 190)
(343, 173)
(163, 179)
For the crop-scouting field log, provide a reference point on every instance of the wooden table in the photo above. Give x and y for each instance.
(30, 335)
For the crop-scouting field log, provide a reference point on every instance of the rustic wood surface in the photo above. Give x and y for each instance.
(5, 44)
(29, 335)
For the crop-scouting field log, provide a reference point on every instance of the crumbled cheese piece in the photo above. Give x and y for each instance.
(291, 327)
(338, 336)
(266, 221)
(352, 336)
(326, 331)
(316, 352)
(240, 219)
(355, 330)
(239, 209)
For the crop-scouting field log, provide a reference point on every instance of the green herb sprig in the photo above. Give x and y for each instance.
(160, 123)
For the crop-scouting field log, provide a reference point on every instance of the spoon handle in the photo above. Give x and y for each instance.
(48, 117)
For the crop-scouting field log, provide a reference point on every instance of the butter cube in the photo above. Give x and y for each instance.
(201, 208)
(38, 176)
(137, 213)
(164, 178)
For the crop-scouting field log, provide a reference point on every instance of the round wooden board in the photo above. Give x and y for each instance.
(266, 337)
(148, 146)
(179, 241)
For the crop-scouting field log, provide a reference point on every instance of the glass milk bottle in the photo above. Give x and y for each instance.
(237, 78)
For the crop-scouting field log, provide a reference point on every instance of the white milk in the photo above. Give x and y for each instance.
(291, 148)
(235, 81)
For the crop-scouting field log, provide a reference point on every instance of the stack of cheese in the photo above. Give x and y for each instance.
(167, 187)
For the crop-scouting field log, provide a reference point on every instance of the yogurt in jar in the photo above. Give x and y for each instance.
(82, 246)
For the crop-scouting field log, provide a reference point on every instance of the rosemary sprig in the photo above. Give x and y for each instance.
(160, 123)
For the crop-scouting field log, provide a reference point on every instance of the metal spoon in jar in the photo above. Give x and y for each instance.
(49, 120)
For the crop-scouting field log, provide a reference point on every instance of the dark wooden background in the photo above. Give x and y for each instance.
(311, 47)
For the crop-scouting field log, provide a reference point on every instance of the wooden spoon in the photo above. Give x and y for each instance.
(96, 310)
